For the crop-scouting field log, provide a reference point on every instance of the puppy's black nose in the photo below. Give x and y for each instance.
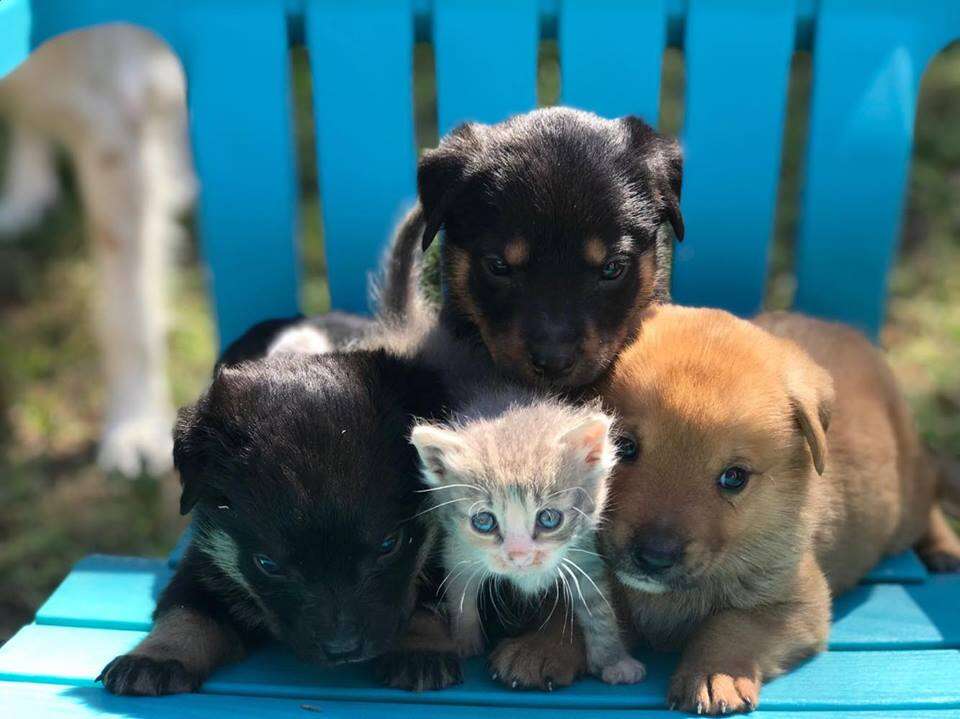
(342, 649)
(553, 361)
(658, 552)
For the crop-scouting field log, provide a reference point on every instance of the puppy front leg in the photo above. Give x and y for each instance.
(180, 652)
(426, 656)
(464, 614)
(728, 657)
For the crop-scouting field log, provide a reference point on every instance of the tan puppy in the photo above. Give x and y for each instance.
(754, 484)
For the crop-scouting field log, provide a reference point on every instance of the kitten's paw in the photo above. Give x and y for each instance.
(534, 662)
(419, 671)
(137, 675)
(715, 694)
(626, 671)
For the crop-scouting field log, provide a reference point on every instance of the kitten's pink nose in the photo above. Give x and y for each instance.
(520, 557)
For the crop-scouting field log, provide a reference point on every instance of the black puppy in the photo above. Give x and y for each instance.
(554, 236)
(303, 488)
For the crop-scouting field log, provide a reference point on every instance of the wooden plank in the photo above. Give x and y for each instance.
(486, 59)
(238, 69)
(737, 59)
(107, 592)
(36, 701)
(835, 680)
(611, 52)
(361, 59)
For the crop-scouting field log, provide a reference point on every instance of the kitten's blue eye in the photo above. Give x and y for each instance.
(550, 518)
(733, 479)
(267, 565)
(389, 543)
(483, 522)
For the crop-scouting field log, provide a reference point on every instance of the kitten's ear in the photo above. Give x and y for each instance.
(590, 444)
(438, 449)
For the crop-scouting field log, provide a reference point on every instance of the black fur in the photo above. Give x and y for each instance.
(554, 178)
(303, 459)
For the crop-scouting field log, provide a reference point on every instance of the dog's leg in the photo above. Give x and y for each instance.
(30, 184)
(940, 546)
(132, 233)
(728, 657)
(552, 655)
(426, 657)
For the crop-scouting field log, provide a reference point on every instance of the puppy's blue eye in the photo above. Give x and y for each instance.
(389, 543)
(550, 518)
(627, 448)
(267, 565)
(496, 266)
(733, 479)
(483, 522)
(613, 269)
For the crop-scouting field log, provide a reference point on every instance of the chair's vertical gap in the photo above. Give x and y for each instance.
(673, 82)
(314, 290)
(425, 95)
(923, 321)
(782, 281)
(548, 74)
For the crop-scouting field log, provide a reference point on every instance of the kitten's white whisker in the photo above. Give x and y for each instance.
(454, 569)
(442, 504)
(576, 583)
(585, 515)
(576, 566)
(451, 486)
(592, 554)
(466, 586)
(556, 600)
(571, 489)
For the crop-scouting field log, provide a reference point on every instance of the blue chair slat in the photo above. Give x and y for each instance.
(176, 554)
(611, 52)
(843, 680)
(737, 62)
(486, 59)
(898, 616)
(361, 57)
(238, 68)
(867, 67)
(15, 24)
(33, 700)
(107, 592)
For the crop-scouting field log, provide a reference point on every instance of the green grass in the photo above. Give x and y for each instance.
(55, 506)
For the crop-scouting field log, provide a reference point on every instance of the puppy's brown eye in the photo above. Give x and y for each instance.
(627, 448)
(733, 479)
(613, 269)
(496, 266)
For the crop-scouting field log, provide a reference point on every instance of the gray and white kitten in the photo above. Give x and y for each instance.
(518, 490)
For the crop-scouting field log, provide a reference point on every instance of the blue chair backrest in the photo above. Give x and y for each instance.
(869, 56)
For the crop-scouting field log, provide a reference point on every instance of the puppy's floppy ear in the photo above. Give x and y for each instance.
(664, 162)
(811, 394)
(189, 455)
(438, 448)
(442, 175)
(589, 444)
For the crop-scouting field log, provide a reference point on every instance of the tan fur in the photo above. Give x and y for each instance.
(595, 251)
(702, 391)
(516, 252)
(198, 642)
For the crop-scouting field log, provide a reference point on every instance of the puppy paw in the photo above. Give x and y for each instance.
(530, 662)
(136, 445)
(419, 671)
(626, 671)
(469, 642)
(942, 562)
(137, 675)
(715, 694)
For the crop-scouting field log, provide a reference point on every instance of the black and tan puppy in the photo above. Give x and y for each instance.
(555, 237)
(303, 488)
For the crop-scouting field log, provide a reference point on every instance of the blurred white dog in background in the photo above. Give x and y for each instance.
(114, 98)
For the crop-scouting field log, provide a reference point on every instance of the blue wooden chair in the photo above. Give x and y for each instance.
(894, 647)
